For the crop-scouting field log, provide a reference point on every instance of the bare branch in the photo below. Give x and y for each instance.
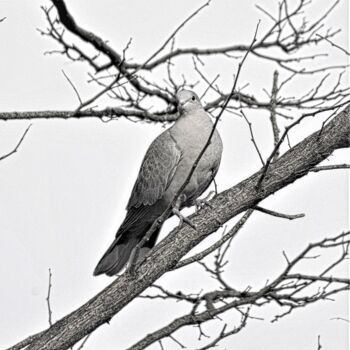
(108, 113)
(98, 95)
(232, 233)
(177, 342)
(48, 298)
(224, 334)
(330, 167)
(319, 346)
(101, 46)
(279, 215)
(287, 129)
(72, 85)
(285, 290)
(286, 35)
(168, 252)
(84, 342)
(252, 137)
(18, 144)
(132, 87)
(172, 35)
(340, 319)
(335, 45)
(273, 118)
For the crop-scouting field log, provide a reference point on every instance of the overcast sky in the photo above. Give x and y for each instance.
(64, 193)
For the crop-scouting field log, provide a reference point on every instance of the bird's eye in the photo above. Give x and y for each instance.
(193, 98)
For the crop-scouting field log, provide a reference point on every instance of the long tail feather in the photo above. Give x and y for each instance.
(121, 250)
(116, 257)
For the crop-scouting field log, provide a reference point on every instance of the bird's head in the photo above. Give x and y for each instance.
(187, 101)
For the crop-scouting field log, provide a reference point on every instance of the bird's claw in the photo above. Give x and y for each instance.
(183, 219)
(201, 203)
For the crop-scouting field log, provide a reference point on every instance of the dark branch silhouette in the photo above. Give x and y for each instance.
(131, 87)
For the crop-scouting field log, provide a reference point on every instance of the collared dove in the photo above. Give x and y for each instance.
(165, 167)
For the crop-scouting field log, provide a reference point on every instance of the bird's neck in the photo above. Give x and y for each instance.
(192, 126)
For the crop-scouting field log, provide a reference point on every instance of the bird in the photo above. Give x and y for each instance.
(164, 169)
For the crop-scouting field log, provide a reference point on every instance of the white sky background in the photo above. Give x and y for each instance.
(63, 194)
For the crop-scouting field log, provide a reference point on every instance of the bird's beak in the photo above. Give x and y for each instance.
(182, 103)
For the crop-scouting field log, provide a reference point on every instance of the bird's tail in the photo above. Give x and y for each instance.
(116, 256)
(120, 251)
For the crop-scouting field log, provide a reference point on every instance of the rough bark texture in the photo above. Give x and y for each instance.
(294, 164)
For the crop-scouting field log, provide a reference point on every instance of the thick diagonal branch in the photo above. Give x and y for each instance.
(291, 166)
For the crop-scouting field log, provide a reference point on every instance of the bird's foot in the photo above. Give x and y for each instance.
(131, 268)
(202, 202)
(183, 219)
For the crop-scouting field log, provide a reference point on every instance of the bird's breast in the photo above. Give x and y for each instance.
(191, 135)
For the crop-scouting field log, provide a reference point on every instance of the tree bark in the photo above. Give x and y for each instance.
(294, 164)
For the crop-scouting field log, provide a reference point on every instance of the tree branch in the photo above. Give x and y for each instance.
(273, 118)
(279, 215)
(294, 164)
(229, 235)
(109, 113)
(284, 290)
(17, 146)
(48, 301)
(101, 46)
(330, 167)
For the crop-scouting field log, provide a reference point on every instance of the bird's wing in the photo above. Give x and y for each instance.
(156, 172)
(203, 185)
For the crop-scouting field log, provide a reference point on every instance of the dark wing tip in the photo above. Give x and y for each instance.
(97, 271)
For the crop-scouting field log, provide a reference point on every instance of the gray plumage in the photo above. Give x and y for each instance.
(163, 171)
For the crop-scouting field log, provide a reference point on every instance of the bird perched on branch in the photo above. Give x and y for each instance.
(164, 169)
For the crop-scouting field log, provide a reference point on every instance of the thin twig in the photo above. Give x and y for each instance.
(210, 85)
(98, 95)
(340, 319)
(18, 144)
(229, 235)
(177, 342)
(252, 138)
(49, 310)
(72, 85)
(172, 35)
(330, 167)
(333, 44)
(224, 334)
(84, 342)
(279, 215)
(273, 119)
